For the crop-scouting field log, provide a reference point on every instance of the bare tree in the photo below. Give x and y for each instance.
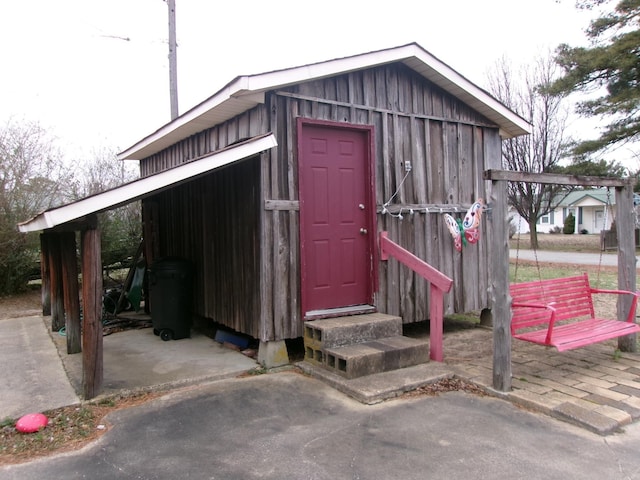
(121, 227)
(523, 91)
(33, 177)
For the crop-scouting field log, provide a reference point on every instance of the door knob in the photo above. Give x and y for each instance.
(361, 206)
(363, 231)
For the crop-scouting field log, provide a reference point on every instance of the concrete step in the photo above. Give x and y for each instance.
(320, 335)
(376, 356)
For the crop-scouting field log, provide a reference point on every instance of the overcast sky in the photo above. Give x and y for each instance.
(95, 72)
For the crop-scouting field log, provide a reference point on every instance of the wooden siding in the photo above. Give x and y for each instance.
(214, 222)
(444, 141)
(448, 144)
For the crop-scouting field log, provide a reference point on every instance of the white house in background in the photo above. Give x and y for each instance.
(589, 207)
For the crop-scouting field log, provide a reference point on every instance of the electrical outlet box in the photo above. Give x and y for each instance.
(407, 166)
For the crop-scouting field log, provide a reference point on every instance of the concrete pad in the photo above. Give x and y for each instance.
(138, 359)
(376, 388)
(32, 376)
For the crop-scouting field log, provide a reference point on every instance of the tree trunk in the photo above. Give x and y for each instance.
(533, 235)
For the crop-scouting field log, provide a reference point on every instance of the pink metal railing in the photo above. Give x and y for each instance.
(439, 285)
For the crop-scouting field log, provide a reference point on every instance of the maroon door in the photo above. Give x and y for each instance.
(336, 219)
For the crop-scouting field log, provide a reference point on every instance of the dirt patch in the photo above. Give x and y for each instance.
(21, 305)
(443, 386)
(69, 428)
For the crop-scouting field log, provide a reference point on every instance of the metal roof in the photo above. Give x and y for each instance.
(143, 187)
(245, 92)
(577, 196)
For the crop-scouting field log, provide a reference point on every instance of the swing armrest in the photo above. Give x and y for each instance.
(546, 306)
(634, 302)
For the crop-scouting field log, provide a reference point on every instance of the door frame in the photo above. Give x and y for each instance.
(370, 189)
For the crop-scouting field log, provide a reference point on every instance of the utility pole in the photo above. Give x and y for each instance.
(173, 68)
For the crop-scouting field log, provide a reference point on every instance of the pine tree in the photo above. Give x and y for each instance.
(610, 65)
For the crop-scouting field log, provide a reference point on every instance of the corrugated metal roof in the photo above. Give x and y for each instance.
(245, 92)
(132, 191)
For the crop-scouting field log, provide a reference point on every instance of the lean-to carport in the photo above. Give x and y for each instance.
(59, 250)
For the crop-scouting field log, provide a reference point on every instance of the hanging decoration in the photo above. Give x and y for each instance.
(466, 230)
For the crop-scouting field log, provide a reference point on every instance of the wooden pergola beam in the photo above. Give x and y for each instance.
(557, 179)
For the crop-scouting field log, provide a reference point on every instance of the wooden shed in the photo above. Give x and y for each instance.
(386, 141)
(291, 234)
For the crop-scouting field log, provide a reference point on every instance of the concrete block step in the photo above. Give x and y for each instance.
(340, 331)
(376, 356)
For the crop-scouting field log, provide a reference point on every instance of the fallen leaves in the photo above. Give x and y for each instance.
(446, 385)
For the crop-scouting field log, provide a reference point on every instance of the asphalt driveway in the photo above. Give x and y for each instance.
(289, 426)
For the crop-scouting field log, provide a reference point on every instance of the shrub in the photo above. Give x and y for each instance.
(569, 224)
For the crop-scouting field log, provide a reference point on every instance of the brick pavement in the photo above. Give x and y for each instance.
(595, 387)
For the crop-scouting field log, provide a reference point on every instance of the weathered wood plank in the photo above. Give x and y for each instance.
(56, 278)
(480, 188)
(282, 205)
(556, 178)
(45, 274)
(499, 272)
(266, 286)
(71, 291)
(323, 102)
(625, 225)
(92, 350)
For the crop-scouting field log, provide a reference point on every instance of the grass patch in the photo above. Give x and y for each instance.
(600, 278)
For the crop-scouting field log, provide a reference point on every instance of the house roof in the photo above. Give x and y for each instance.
(577, 196)
(247, 91)
(143, 187)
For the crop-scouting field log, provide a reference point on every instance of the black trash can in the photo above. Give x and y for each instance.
(170, 296)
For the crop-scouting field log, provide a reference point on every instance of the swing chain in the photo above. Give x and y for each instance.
(604, 228)
(515, 271)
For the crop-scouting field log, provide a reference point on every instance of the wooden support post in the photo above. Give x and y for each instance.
(436, 321)
(71, 292)
(625, 227)
(150, 239)
(499, 286)
(92, 366)
(45, 274)
(55, 271)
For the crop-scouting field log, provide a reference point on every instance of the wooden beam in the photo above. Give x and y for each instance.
(625, 226)
(282, 205)
(76, 225)
(92, 360)
(45, 275)
(499, 286)
(55, 275)
(70, 289)
(560, 179)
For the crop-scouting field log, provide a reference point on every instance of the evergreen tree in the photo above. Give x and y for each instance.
(611, 69)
